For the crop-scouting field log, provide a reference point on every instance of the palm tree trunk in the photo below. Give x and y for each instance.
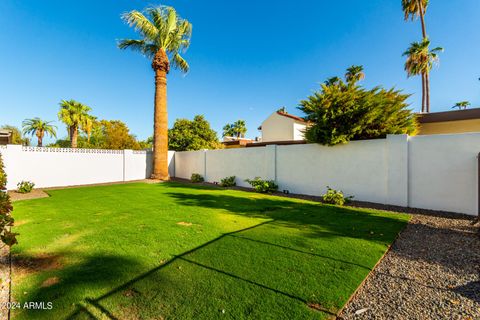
(427, 89)
(422, 18)
(160, 65)
(423, 94)
(40, 142)
(73, 136)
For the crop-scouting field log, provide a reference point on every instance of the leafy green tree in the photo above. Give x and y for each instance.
(462, 105)
(186, 135)
(420, 61)
(238, 129)
(17, 137)
(340, 112)
(74, 115)
(38, 127)
(117, 136)
(6, 208)
(164, 36)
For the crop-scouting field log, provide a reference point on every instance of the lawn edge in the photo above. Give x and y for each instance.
(389, 248)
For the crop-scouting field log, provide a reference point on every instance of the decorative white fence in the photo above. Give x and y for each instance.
(436, 172)
(55, 167)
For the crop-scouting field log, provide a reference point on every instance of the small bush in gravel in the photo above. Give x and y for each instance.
(228, 182)
(263, 186)
(196, 178)
(336, 197)
(6, 220)
(25, 187)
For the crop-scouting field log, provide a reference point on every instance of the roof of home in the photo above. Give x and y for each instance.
(291, 116)
(455, 115)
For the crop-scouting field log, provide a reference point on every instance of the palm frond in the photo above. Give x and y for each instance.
(141, 24)
(180, 63)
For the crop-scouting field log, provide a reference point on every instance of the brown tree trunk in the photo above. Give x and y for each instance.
(160, 65)
(422, 18)
(427, 89)
(423, 94)
(73, 136)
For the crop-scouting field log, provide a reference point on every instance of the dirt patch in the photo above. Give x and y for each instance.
(50, 282)
(22, 265)
(131, 293)
(35, 194)
(186, 224)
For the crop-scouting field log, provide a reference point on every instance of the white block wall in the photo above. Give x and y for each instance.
(436, 172)
(56, 167)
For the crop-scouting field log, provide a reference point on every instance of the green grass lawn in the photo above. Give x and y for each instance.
(178, 251)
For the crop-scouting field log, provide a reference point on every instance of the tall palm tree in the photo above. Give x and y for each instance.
(413, 9)
(420, 60)
(164, 36)
(38, 127)
(74, 115)
(354, 74)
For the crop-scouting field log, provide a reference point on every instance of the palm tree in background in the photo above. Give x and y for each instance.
(462, 105)
(420, 61)
(238, 129)
(354, 74)
(74, 115)
(87, 125)
(412, 10)
(164, 36)
(38, 127)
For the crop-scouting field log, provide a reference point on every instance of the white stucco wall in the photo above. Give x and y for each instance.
(299, 131)
(443, 172)
(436, 172)
(56, 167)
(308, 169)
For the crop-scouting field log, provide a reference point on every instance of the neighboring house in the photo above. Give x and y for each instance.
(281, 126)
(5, 137)
(458, 121)
(234, 142)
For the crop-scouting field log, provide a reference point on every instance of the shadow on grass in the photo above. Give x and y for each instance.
(158, 277)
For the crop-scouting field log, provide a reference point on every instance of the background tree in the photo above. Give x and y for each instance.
(238, 129)
(17, 136)
(74, 115)
(339, 112)
(462, 105)
(412, 10)
(38, 127)
(186, 135)
(354, 74)
(164, 35)
(420, 61)
(117, 136)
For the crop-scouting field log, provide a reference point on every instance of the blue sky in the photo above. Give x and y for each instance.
(247, 58)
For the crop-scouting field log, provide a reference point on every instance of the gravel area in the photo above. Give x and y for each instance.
(431, 272)
(34, 194)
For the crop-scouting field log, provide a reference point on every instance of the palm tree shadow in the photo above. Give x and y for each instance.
(151, 291)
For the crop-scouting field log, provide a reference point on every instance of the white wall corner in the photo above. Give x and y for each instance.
(397, 169)
(271, 162)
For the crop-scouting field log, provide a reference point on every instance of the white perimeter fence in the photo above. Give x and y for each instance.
(436, 172)
(57, 167)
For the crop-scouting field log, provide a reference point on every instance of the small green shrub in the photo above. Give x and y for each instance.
(263, 186)
(228, 182)
(25, 187)
(336, 197)
(196, 178)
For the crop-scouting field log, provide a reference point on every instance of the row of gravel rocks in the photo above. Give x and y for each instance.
(432, 271)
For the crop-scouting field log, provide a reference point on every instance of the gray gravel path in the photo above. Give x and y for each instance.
(431, 272)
